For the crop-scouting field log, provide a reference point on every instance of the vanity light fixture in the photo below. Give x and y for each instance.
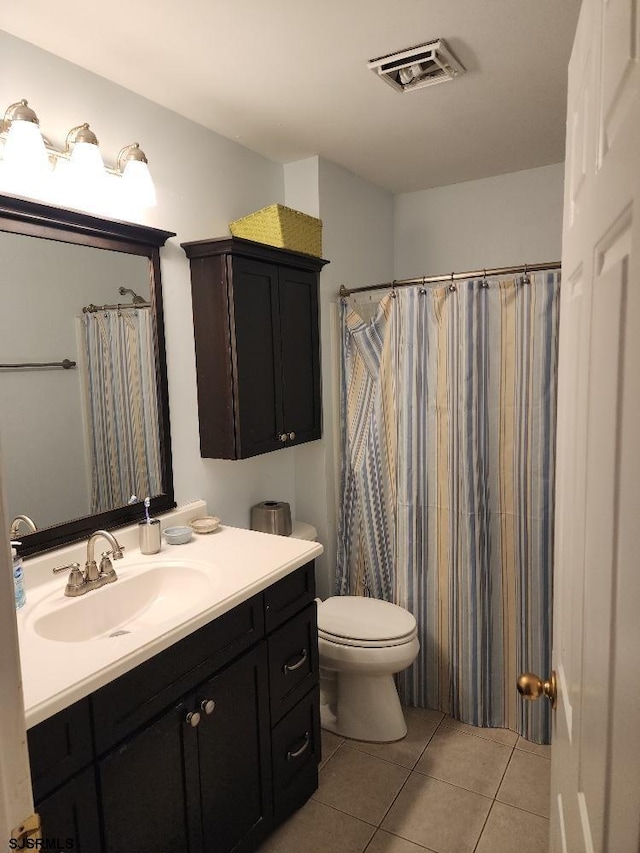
(29, 160)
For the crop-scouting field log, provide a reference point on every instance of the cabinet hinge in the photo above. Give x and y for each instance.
(29, 828)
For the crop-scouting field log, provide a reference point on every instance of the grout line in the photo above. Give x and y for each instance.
(486, 820)
(340, 811)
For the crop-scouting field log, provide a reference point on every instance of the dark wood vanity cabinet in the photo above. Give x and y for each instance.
(206, 746)
(256, 325)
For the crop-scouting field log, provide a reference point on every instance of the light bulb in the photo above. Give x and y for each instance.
(138, 185)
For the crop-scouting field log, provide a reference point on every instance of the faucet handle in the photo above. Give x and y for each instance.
(72, 566)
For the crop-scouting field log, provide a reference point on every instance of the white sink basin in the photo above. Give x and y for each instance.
(149, 595)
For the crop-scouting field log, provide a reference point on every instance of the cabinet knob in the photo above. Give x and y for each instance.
(208, 705)
(292, 435)
(193, 718)
(283, 436)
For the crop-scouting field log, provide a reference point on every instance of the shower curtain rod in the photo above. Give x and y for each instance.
(453, 276)
(91, 309)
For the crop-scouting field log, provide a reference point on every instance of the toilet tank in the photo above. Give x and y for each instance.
(302, 530)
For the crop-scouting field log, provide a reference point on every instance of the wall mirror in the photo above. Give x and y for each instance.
(84, 421)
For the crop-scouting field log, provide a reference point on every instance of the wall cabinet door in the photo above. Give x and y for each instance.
(256, 357)
(300, 355)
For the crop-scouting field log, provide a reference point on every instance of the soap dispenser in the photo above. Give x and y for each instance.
(18, 579)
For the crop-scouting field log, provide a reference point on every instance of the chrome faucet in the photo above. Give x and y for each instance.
(17, 521)
(93, 577)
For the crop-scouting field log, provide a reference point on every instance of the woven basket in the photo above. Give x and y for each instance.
(281, 226)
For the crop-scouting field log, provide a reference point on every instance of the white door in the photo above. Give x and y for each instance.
(595, 767)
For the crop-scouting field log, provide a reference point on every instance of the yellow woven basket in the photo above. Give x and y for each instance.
(281, 226)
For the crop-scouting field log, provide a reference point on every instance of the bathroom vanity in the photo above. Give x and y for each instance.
(207, 744)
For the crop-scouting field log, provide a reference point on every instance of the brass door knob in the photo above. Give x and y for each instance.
(283, 436)
(193, 719)
(208, 706)
(531, 686)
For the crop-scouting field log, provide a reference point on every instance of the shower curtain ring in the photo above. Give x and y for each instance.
(484, 283)
(452, 286)
(423, 289)
(525, 277)
(393, 288)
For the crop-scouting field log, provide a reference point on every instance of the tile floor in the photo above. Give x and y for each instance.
(446, 788)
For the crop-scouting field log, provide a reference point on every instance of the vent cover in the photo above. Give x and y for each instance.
(416, 67)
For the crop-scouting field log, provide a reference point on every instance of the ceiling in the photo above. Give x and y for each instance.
(289, 78)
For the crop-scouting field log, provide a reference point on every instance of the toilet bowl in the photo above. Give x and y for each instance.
(362, 643)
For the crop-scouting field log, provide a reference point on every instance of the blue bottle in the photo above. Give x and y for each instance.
(18, 579)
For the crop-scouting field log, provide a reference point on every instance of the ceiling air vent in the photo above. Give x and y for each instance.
(415, 67)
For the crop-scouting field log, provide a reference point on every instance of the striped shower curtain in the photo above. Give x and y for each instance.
(121, 402)
(448, 437)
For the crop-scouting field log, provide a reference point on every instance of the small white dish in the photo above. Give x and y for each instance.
(178, 535)
(206, 524)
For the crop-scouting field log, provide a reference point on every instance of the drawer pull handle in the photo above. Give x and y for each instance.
(208, 706)
(291, 667)
(303, 748)
(292, 435)
(193, 718)
(283, 436)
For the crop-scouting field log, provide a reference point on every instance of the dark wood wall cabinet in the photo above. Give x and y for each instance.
(255, 316)
(207, 746)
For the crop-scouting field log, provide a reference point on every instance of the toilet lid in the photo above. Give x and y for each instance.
(354, 617)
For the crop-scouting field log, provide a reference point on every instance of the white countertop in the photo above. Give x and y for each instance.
(57, 673)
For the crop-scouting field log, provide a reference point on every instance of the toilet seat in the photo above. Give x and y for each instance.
(353, 620)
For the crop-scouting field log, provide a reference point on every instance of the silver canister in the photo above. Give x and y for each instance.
(271, 517)
(150, 539)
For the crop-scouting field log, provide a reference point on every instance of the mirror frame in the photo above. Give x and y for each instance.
(36, 219)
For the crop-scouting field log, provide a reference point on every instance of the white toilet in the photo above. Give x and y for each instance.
(362, 643)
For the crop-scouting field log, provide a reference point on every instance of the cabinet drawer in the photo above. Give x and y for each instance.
(295, 755)
(293, 661)
(59, 747)
(284, 598)
(134, 698)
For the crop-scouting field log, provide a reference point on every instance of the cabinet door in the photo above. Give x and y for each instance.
(300, 352)
(256, 357)
(149, 789)
(70, 816)
(234, 755)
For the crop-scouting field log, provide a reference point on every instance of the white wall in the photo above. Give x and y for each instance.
(494, 222)
(358, 240)
(203, 182)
